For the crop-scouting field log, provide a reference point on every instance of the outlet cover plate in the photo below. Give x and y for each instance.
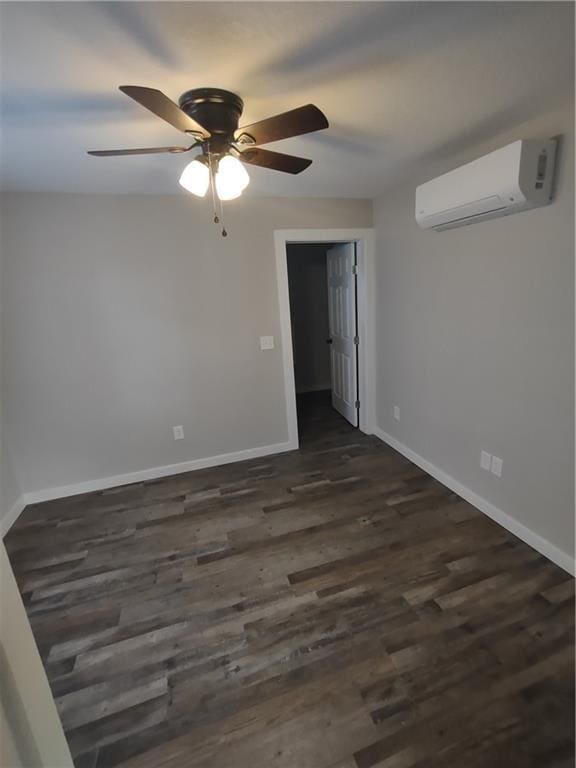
(266, 342)
(496, 467)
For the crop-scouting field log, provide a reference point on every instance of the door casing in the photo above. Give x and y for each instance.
(365, 256)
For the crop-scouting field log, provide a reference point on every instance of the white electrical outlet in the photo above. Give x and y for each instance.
(496, 467)
(266, 342)
(178, 432)
(485, 459)
(397, 413)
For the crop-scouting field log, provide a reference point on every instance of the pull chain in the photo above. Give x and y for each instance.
(224, 233)
(217, 219)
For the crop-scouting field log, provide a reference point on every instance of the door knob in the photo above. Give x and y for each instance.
(328, 341)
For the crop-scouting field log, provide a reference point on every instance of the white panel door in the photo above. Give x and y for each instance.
(342, 319)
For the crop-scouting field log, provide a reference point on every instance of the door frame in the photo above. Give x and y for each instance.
(365, 258)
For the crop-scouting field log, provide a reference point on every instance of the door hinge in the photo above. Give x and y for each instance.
(355, 269)
(357, 404)
(356, 340)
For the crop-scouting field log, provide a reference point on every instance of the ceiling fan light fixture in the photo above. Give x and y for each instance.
(210, 117)
(231, 178)
(195, 178)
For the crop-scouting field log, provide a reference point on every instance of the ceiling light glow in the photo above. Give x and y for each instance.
(231, 178)
(196, 178)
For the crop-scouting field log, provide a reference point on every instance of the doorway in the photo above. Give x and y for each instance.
(324, 290)
(324, 324)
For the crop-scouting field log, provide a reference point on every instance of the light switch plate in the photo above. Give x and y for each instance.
(497, 466)
(266, 342)
(485, 459)
(397, 413)
(178, 432)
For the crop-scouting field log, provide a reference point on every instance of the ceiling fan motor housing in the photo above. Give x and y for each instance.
(217, 110)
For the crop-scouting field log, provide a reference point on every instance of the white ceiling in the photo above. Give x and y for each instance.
(400, 82)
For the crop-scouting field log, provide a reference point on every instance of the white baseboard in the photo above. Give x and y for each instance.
(534, 540)
(13, 514)
(60, 492)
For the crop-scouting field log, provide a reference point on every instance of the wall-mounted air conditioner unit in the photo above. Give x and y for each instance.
(509, 180)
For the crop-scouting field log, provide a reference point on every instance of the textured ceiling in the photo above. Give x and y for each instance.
(400, 82)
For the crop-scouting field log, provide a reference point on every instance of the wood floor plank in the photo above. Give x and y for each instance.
(333, 607)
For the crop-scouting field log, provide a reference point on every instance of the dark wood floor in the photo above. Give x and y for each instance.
(333, 607)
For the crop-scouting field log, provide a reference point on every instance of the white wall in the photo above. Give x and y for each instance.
(125, 315)
(10, 749)
(11, 501)
(476, 346)
(32, 735)
(308, 285)
(10, 492)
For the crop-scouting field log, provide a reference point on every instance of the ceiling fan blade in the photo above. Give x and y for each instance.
(144, 151)
(294, 123)
(165, 108)
(276, 161)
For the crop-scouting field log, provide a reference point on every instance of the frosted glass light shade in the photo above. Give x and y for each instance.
(231, 178)
(196, 178)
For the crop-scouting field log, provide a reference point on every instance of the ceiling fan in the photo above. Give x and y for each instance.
(210, 117)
